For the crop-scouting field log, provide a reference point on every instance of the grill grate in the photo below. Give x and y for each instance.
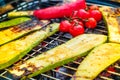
(66, 71)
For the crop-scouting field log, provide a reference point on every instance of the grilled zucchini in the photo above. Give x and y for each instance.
(97, 60)
(15, 50)
(112, 18)
(19, 14)
(13, 22)
(18, 31)
(69, 51)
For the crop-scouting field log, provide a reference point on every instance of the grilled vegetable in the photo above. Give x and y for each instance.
(13, 22)
(20, 13)
(6, 8)
(69, 51)
(53, 12)
(97, 60)
(15, 50)
(15, 32)
(112, 19)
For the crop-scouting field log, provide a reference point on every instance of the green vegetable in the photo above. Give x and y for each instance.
(13, 22)
(18, 31)
(15, 50)
(97, 60)
(19, 14)
(112, 18)
(69, 51)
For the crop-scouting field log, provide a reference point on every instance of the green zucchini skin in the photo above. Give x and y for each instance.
(112, 18)
(15, 50)
(18, 31)
(69, 51)
(13, 22)
(98, 60)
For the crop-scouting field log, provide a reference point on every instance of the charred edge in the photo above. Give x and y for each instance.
(26, 71)
(115, 11)
(19, 62)
(29, 25)
(50, 29)
(14, 75)
(34, 69)
(118, 20)
(11, 76)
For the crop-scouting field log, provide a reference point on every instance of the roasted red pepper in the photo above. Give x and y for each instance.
(59, 11)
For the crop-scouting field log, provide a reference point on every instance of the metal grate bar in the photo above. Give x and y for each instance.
(50, 77)
(32, 79)
(72, 68)
(105, 78)
(115, 73)
(101, 30)
(6, 78)
(117, 66)
(66, 74)
(3, 73)
(76, 62)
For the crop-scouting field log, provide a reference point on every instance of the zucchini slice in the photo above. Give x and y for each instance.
(15, 50)
(97, 60)
(69, 51)
(13, 22)
(20, 14)
(112, 18)
(18, 31)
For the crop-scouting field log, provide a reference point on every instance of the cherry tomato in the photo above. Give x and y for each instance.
(93, 7)
(91, 23)
(77, 22)
(64, 26)
(96, 14)
(76, 30)
(83, 14)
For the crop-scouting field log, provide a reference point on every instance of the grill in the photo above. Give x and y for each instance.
(66, 71)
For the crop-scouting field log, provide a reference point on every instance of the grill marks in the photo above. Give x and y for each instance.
(26, 71)
(116, 11)
(112, 18)
(27, 25)
(113, 11)
(116, 14)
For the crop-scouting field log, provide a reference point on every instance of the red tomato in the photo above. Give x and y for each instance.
(93, 7)
(82, 13)
(64, 26)
(91, 23)
(76, 30)
(96, 14)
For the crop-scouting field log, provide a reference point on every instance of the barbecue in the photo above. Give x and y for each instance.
(66, 71)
